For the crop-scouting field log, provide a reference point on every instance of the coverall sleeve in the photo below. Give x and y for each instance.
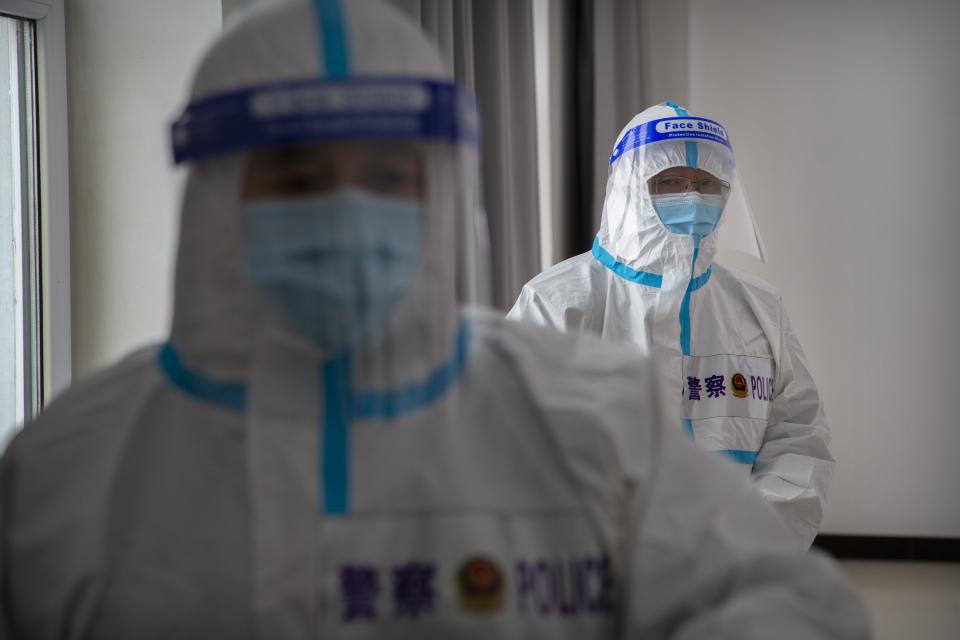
(708, 558)
(530, 307)
(794, 466)
(551, 306)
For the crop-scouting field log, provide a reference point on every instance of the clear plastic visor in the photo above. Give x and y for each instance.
(392, 139)
(700, 143)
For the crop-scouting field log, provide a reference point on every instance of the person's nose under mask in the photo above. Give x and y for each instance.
(691, 213)
(333, 265)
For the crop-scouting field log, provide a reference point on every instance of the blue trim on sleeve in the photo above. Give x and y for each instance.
(739, 456)
(330, 29)
(622, 270)
(342, 405)
(231, 395)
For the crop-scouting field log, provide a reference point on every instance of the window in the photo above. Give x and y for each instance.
(34, 222)
(19, 277)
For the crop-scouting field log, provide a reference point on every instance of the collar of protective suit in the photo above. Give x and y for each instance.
(631, 232)
(220, 320)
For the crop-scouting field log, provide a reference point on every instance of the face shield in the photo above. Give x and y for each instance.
(358, 203)
(705, 194)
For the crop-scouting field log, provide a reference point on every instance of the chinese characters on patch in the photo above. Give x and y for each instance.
(714, 386)
(539, 587)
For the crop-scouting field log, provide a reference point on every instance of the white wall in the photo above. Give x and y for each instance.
(666, 50)
(844, 119)
(128, 63)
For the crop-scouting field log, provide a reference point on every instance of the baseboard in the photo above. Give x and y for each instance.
(890, 548)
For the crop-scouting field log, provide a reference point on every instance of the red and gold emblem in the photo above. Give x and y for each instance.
(738, 384)
(480, 585)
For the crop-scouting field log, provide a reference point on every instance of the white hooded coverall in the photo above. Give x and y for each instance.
(733, 373)
(458, 476)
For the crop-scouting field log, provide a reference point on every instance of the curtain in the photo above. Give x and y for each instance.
(489, 44)
(596, 87)
(618, 86)
(595, 84)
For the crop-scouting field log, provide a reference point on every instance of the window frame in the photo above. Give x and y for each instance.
(53, 189)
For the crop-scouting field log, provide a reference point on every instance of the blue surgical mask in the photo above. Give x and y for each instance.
(333, 265)
(690, 213)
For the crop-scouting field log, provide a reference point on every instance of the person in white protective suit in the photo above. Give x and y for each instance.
(733, 375)
(327, 446)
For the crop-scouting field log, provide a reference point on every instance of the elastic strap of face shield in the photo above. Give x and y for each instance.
(319, 109)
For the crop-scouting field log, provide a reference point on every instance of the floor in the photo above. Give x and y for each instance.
(909, 600)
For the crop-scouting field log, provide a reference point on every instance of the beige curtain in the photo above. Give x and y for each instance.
(489, 44)
(596, 86)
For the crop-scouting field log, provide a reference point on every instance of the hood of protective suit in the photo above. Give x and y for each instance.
(631, 232)
(218, 316)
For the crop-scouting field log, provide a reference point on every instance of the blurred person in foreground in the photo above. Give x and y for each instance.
(328, 446)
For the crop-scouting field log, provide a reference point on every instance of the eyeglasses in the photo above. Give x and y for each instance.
(681, 184)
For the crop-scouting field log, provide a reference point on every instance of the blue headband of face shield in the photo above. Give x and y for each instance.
(678, 129)
(325, 109)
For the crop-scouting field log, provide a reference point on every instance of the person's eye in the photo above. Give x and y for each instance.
(393, 180)
(301, 182)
